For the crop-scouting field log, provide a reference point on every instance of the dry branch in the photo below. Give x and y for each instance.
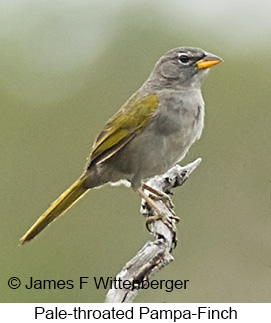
(155, 254)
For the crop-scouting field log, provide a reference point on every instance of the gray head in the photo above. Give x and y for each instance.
(182, 67)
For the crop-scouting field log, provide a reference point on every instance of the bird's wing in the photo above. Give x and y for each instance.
(128, 122)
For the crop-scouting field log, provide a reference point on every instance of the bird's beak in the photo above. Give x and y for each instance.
(208, 61)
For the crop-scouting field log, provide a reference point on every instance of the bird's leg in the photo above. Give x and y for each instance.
(159, 214)
(161, 196)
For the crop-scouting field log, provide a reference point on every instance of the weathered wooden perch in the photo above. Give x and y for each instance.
(155, 254)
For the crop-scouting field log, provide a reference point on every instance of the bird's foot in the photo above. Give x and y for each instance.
(169, 221)
(160, 196)
(168, 218)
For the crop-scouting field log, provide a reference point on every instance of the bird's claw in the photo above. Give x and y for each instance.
(168, 221)
(163, 197)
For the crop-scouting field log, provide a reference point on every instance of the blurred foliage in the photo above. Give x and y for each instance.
(63, 74)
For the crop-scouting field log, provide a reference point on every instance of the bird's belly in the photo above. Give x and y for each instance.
(152, 154)
(153, 151)
(171, 147)
(172, 150)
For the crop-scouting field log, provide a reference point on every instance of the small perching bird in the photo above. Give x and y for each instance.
(151, 132)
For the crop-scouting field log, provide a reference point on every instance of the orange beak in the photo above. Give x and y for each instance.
(208, 61)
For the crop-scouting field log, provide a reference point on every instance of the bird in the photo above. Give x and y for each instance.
(151, 132)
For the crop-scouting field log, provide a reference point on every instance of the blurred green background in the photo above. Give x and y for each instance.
(66, 67)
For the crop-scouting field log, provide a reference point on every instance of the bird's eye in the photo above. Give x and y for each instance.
(184, 58)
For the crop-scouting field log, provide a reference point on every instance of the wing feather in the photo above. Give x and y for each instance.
(129, 121)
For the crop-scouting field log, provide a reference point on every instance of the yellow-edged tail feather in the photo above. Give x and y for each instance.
(58, 207)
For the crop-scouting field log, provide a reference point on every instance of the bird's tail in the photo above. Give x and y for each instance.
(58, 207)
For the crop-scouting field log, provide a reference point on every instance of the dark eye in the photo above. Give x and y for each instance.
(184, 58)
